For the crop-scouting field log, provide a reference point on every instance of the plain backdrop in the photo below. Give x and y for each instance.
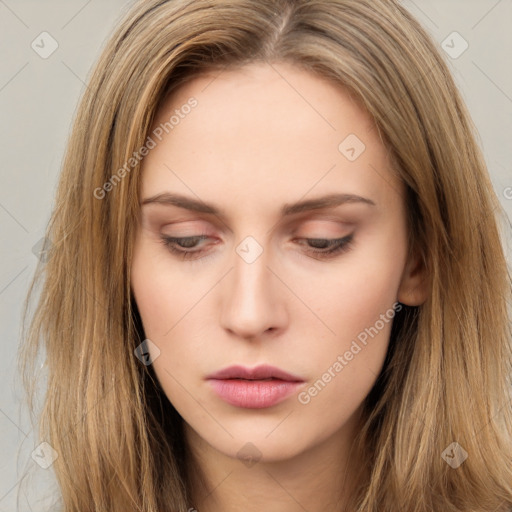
(38, 98)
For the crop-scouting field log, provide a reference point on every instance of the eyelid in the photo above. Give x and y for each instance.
(335, 247)
(335, 225)
(299, 229)
(343, 219)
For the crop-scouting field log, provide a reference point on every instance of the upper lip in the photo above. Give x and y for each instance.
(257, 373)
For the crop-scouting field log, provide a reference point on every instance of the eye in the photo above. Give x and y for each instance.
(185, 247)
(181, 245)
(327, 247)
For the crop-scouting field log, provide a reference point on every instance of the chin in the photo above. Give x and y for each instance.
(251, 450)
(264, 441)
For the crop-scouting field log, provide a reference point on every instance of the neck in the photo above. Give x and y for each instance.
(319, 479)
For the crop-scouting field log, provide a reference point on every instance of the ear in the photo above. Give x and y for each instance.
(413, 289)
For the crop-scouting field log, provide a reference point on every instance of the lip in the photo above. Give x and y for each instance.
(254, 388)
(260, 372)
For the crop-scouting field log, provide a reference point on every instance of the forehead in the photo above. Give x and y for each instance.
(265, 130)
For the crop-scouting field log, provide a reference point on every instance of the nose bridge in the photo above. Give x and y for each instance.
(250, 302)
(251, 276)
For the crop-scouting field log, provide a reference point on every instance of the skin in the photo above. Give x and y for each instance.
(261, 137)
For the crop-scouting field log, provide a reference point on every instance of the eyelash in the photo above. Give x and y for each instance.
(337, 246)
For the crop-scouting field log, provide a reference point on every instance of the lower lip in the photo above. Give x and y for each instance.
(253, 394)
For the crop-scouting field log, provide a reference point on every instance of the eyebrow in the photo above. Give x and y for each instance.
(188, 203)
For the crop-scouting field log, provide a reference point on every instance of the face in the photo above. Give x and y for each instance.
(271, 250)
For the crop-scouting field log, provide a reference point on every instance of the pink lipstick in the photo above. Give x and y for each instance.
(254, 388)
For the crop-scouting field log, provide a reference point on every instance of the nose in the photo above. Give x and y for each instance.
(253, 299)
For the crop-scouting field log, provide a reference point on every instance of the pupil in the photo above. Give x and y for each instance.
(319, 243)
(188, 242)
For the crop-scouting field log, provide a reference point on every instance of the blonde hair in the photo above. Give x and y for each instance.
(446, 375)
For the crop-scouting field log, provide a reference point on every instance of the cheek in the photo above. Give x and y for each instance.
(344, 370)
(172, 306)
(162, 293)
(357, 290)
(357, 304)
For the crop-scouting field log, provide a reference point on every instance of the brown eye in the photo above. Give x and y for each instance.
(327, 246)
(180, 245)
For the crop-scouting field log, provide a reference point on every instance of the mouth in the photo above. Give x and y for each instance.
(254, 388)
(262, 372)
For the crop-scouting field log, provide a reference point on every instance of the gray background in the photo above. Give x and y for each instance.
(38, 98)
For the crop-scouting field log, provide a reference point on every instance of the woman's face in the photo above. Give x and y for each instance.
(267, 334)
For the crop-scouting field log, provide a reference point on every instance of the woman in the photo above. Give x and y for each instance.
(275, 278)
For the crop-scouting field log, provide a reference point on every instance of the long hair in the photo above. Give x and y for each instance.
(446, 375)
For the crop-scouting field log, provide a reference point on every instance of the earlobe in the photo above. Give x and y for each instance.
(413, 290)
